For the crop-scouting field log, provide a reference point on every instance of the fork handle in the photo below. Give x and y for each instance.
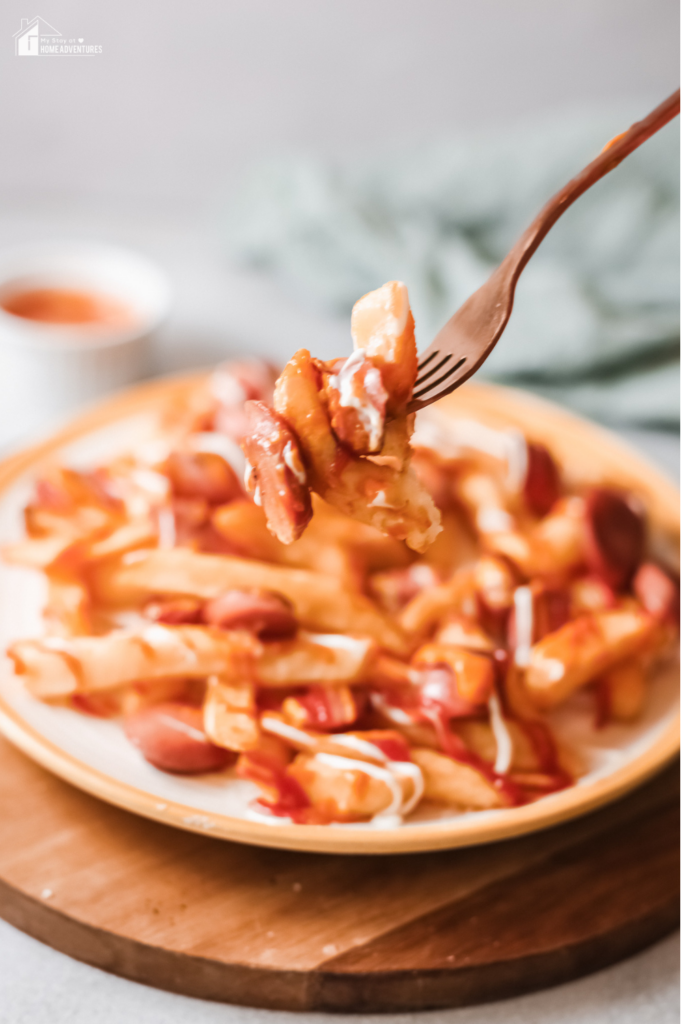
(611, 156)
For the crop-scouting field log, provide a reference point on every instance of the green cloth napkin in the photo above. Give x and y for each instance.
(596, 318)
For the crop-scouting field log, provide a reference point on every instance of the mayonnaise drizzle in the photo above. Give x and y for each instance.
(524, 625)
(380, 501)
(382, 774)
(286, 731)
(369, 415)
(297, 470)
(502, 737)
(396, 715)
(387, 771)
(167, 530)
(337, 641)
(184, 727)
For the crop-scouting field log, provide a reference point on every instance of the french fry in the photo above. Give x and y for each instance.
(135, 534)
(392, 501)
(456, 596)
(344, 792)
(479, 737)
(38, 552)
(624, 687)
(583, 649)
(319, 601)
(229, 711)
(473, 672)
(316, 658)
(59, 666)
(456, 784)
(68, 608)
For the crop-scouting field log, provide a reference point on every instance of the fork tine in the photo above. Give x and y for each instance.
(427, 361)
(435, 383)
(435, 369)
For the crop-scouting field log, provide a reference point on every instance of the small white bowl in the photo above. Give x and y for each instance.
(48, 369)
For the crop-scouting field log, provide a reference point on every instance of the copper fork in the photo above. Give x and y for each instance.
(469, 337)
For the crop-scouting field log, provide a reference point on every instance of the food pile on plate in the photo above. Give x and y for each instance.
(378, 619)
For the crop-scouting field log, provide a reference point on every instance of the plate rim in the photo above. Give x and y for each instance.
(473, 831)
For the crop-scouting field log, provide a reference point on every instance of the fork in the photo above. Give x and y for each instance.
(469, 337)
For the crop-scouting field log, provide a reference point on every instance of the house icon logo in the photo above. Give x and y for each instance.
(27, 39)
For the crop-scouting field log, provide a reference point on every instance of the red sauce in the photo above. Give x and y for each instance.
(67, 306)
(288, 799)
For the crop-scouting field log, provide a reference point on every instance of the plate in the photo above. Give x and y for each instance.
(94, 755)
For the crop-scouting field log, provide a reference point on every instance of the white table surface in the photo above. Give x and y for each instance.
(218, 312)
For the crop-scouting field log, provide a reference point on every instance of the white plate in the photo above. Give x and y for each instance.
(95, 755)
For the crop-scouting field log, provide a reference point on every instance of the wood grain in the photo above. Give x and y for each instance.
(297, 931)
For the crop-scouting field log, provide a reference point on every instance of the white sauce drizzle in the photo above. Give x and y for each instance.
(337, 641)
(361, 746)
(167, 530)
(298, 470)
(369, 415)
(380, 501)
(396, 715)
(187, 730)
(286, 731)
(382, 774)
(524, 625)
(517, 460)
(502, 737)
(387, 771)
(248, 472)
(257, 496)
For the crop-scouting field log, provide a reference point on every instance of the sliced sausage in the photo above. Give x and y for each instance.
(270, 616)
(203, 475)
(172, 738)
(657, 592)
(542, 483)
(615, 536)
(276, 473)
(174, 611)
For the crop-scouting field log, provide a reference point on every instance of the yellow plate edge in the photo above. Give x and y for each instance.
(510, 405)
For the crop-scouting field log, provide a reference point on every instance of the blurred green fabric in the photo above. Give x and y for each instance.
(596, 318)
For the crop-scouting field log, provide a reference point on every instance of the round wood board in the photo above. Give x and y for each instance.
(304, 931)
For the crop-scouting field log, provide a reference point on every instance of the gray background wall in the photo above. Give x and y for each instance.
(185, 94)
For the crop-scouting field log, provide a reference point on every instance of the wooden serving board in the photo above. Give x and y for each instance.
(299, 931)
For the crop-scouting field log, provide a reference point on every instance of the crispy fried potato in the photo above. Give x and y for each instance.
(319, 601)
(625, 687)
(455, 784)
(344, 791)
(583, 649)
(229, 711)
(316, 658)
(57, 666)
